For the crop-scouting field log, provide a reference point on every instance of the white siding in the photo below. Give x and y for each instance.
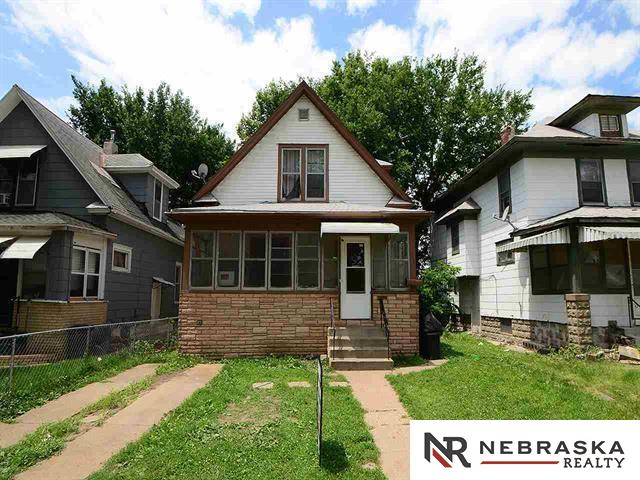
(615, 176)
(589, 125)
(254, 179)
(551, 187)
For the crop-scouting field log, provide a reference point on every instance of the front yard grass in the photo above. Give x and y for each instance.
(482, 381)
(228, 430)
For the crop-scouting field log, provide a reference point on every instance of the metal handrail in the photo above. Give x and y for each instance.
(384, 323)
(333, 328)
(632, 318)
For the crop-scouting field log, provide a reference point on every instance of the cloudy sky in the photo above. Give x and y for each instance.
(219, 52)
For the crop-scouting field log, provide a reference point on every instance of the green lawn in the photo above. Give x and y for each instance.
(484, 381)
(228, 430)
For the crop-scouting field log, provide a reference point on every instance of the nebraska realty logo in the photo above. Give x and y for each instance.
(502, 449)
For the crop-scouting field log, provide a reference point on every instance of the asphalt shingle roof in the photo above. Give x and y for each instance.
(46, 219)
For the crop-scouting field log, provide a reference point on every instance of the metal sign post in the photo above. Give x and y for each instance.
(319, 411)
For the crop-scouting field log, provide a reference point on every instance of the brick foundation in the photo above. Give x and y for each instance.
(528, 333)
(248, 324)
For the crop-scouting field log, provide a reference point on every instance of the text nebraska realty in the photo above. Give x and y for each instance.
(577, 454)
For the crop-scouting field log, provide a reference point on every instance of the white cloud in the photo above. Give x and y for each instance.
(631, 8)
(383, 40)
(181, 43)
(21, 60)
(228, 8)
(360, 6)
(322, 4)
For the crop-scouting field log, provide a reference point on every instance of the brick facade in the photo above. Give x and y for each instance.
(40, 315)
(579, 318)
(251, 324)
(528, 333)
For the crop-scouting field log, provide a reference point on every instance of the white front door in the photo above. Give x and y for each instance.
(355, 278)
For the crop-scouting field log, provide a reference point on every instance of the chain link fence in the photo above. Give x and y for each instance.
(31, 358)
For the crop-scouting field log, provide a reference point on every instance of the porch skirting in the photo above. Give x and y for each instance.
(40, 315)
(256, 324)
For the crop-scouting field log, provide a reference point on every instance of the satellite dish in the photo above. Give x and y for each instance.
(505, 214)
(203, 170)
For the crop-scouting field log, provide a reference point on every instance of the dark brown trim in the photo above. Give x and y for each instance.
(302, 89)
(303, 147)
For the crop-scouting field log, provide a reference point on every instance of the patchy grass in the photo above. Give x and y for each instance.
(228, 430)
(485, 381)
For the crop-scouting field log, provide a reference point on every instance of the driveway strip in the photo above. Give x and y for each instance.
(70, 403)
(89, 451)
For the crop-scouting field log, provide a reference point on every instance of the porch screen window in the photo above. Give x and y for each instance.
(255, 260)
(398, 260)
(291, 173)
(34, 276)
(315, 173)
(26, 185)
(157, 200)
(228, 272)
(634, 180)
(330, 260)
(379, 261)
(610, 126)
(85, 273)
(635, 265)
(308, 260)
(6, 184)
(590, 177)
(455, 238)
(550, 269)
(202, 248)
(603, 266)
(504, 191)
(281, 271)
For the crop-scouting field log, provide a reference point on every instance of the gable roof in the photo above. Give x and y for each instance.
(84, 155)
(303, 89)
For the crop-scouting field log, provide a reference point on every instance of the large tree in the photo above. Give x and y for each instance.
(434, 119)
(161, 125)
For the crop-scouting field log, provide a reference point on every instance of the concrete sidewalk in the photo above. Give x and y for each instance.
(69, 404)
(386, 418)
(89, 451)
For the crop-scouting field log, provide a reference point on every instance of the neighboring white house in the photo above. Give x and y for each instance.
(566, 251)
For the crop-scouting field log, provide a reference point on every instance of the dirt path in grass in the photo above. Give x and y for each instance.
(89, 451)
(386, 418)
(69, 404)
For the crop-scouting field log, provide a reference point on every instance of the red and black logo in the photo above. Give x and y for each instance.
(455, 447)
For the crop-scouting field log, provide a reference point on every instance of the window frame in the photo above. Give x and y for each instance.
(239, 260)
(455, 247)
(603, 184)
(502, 263)
(213, 260)
(548, 267)
(85, 274)
(153, 206)
(319, 260)
(291, 259)
(630, 161)
(35, 182)
(128, 251)
(266, 259)
(602, 288)
(507, 172)
(322, 266)
(300, 117)
(303, 147)
(389, 260)
(177, 283)
(307, 149)
(610, 133)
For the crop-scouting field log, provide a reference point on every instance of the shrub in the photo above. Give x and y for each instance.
(438, 283)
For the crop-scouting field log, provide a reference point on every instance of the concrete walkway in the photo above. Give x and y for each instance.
(89, 451)
(387, 420)
(69, 404)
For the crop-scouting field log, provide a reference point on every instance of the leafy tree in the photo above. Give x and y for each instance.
(434, 119)
(161, 125)
(437, 285)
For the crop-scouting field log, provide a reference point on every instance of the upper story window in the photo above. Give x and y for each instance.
(455, 238)
(18, 179)
(303, 114)
(158, 198)
(504, 192)
(303, 173)
(591, 186)
(610, 126)
(634, 180)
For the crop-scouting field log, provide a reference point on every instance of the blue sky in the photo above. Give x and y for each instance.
(219, 52)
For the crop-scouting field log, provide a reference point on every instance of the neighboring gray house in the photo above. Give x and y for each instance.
(84, 238)
(546, 229)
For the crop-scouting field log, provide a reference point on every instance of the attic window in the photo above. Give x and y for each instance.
(610, 126)
(158, 193)
(303, 114)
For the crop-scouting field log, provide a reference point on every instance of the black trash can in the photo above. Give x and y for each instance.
(430, 332)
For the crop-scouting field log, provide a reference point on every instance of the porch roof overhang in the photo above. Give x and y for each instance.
(32, 223)
(598, 234)
(358, 227)
(19, 151)
(24, 248)
(557, 236)
(5, 239)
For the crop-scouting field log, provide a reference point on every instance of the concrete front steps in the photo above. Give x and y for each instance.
(358, 348)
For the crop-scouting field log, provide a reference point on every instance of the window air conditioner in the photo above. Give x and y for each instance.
(227, 279)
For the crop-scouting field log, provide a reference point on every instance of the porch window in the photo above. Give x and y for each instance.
(228, 271)
(202, 248)
(634, 248)
(177, 282)
(290, 167)
(85, 272)
(398, 261)
(315, 171)
(504, 192)
(379, 261)
(158, 193)
(308, 260)
(604, 267)
(590, 178)
(634, 180)
(330, 260)
(281, 267)
(255, 260)
(550, 269)
(26, 185)
(455, 238)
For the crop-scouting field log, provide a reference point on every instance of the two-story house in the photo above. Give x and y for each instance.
(300, 219)
(84, 236)
(545, 230)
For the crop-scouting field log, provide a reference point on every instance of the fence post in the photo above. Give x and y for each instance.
(132, 336)
(86, 346)
(11, 362)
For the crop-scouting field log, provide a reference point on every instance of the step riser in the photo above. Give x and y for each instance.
(357, 331)
(358, 343)
(347, 365)
(337, 353)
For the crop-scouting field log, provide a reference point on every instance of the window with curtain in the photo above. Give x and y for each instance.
(398, 260)
(281, 266)
(331, 260)
(590, 178)
(255, 260)
(379, 261)
(290, 167)
(85, 272)
(308, 260)
(228, 271)
(315, 173)
(504, 192)
(202, 248)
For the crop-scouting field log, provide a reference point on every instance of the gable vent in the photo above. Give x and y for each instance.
(303, 114)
